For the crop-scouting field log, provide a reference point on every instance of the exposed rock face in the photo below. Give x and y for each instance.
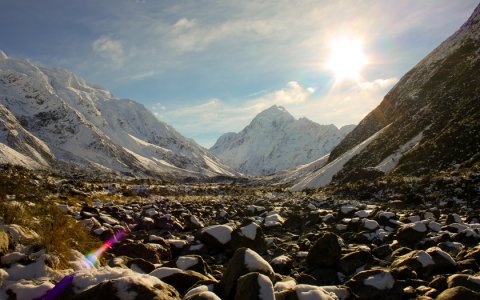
(275, 141)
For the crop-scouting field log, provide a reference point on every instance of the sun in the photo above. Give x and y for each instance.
(347, 58)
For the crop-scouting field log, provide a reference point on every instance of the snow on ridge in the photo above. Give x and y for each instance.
(391, 161)
(10, 156)
(323, 176)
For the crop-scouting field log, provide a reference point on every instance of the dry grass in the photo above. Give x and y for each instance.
(58, 231)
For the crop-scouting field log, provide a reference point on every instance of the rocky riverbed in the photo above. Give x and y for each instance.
(275, 247)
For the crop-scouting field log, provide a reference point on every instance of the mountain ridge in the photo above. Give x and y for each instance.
(274, 140)
(84, 124)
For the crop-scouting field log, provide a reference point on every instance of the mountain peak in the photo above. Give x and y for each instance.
(275, 110)
(276, 141)
(273, 114)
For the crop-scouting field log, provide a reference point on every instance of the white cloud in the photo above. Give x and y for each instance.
(191, 35)
(219, 116)
(344, 105)
(340, 106)
(378, 83)
(110, 49)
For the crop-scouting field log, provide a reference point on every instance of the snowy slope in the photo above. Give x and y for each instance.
(72, 121)
(275, 141)
(18, 141)
(293, 176)
(324, 175)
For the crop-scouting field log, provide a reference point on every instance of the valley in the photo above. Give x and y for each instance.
(101, 199)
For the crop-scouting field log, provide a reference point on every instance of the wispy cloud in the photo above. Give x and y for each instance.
(110, 50)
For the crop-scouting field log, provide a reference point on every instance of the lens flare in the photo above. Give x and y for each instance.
(92, 258)
(89, 261)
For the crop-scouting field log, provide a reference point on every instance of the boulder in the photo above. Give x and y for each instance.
(192, 222)
(216, 237)
(140, 265)
(190, 262)
(135, 264)
(458, 293)
(206, 295)
(153, 253)
(142, 287)
(20, 234)
(294, 222)
(470, 282)
(282, 264)
(374, 284)
(254, 286)
(249, 236)
(417, 260)
(382, 251)
(326, 251)
(202, 292)
(444, 263)
(306, 291)
(243, 261)
(412, 233)
(354, 260)
(182, 281)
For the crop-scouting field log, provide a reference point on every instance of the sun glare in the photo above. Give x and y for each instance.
(347, 58)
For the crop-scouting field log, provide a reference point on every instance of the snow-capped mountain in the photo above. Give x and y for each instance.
(275, 141)
(428, 122)
(52, 117)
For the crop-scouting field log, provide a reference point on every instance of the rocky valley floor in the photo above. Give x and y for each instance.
(265, 245)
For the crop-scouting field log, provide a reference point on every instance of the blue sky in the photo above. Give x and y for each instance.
(208, 67)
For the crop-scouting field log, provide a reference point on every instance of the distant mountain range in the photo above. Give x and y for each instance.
(51, 118)
(427, 123)
(276, 141)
